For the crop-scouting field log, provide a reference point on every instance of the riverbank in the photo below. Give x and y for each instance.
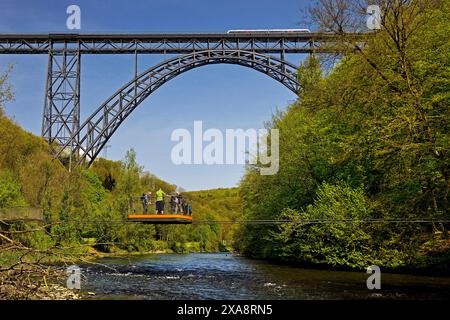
(35, 282)
(31, 292)
(437, 271)
(432, 260)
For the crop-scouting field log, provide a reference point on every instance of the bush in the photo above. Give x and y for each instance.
(345, 239)
(10, 194)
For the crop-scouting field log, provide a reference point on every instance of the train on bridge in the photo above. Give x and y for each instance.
(267, 31)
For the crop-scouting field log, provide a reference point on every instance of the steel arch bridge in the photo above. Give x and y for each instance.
(101, 125)
(61, 126)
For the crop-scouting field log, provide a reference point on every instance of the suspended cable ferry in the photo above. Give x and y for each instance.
(174, 213)
(267, 31)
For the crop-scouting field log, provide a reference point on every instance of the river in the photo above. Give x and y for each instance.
(227, 276)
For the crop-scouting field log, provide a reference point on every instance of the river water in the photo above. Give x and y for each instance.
(227, 276)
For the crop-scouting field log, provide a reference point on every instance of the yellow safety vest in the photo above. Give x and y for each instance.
(159, 195)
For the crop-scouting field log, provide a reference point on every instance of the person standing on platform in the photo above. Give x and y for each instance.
(149, 198)
(160, 201)
(173, 203)
(179, 203)
(145, 202)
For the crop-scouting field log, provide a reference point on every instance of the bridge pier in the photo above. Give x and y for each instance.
(62, 99)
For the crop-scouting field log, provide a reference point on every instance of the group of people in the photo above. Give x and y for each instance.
(178, 204)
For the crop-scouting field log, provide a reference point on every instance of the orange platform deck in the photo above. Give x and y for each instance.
(160, 218)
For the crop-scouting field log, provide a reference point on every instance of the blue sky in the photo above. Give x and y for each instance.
(222, 96)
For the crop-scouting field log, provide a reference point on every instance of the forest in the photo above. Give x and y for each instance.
(368, 139)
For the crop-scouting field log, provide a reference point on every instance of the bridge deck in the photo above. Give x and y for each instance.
(305, 36)
(157, 43)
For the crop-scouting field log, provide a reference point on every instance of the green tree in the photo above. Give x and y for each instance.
(378, 119)
(10, 194)
(128, 182)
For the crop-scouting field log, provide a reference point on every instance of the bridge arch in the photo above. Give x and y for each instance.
(93, 134)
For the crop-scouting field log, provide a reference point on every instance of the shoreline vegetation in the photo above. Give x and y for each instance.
(367, 139)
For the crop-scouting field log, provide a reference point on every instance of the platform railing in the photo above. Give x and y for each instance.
(137, 206)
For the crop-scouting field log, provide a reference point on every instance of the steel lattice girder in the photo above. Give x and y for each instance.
(101, 125)
(165, 43)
